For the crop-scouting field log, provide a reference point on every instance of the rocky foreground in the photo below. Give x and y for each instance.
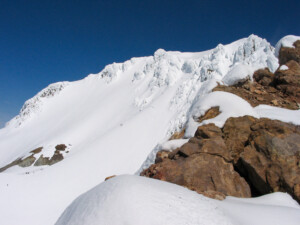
(247, 157)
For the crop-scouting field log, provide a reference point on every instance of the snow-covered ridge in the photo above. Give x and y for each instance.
(240, 58)
(34, 104)
(110, 119)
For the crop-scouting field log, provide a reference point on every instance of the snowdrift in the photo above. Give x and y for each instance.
(138, 200)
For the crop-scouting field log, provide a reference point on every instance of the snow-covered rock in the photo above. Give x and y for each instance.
(286, 41)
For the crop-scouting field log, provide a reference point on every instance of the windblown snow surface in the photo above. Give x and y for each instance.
(138, 200)
(115, 121)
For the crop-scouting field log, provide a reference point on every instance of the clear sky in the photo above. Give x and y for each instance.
(45, 41)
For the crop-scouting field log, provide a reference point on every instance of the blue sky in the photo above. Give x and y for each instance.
(42, 42)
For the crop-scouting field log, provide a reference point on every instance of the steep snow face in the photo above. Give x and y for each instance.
(138, 200)
(110, 122)
(35, 104)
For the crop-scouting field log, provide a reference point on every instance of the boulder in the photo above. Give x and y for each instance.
(236, 134)
(264, 77)
(287, 54)
(288, 81)
(202, 165)
(270, 160)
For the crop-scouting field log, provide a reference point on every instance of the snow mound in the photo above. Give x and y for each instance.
(275, 208)
(286, 41)
(276, 113)
(138, 200)
(283, 67)
(231, 105)
(237, 73)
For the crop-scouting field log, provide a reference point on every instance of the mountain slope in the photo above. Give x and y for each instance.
(110, 122)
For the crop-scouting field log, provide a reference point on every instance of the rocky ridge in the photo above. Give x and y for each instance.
(247, 156)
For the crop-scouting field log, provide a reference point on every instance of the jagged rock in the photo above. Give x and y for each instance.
(288, 81)
(37, 150)
(201, 165)
(209, 114)
(208, 131)
(247, 153)
(271, 159)
(28, 161)
(212, 146)
(42, 161)
(256, 93)
(23, 162)
(161, 155)
(202, 173)
(236, 133)
(60, 147)
(57, 157)
(178, 135)
(14, 163)
(287, 54)
(264, 77)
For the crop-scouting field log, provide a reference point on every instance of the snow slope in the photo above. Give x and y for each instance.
(111, 122)
(138, 200)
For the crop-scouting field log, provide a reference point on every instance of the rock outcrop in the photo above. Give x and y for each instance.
(266, 88)
(247, 157)
(287, 54)
(288, 81)
(57, 156)
(41, 161)
(281, 89)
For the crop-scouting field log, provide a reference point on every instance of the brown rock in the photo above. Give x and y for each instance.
(287, 54)
(288, 81)
(258, 154)
(208, 131)
(37, 150)
(264, 77)
(161, 155)
(256, 93)
(202, 173)
(60, 147)
(28, 161)
(178, 135)
(209, 114)
(236, 133)
(212, 146)
(270, 161)
(107, 178)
